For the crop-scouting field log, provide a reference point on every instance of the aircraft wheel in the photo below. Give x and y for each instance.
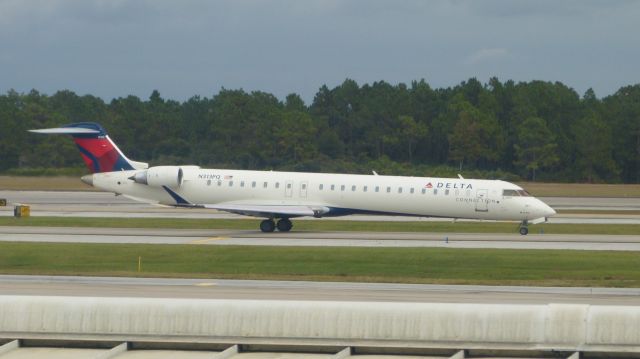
(284, 225)
(524, 231)
(267, 225)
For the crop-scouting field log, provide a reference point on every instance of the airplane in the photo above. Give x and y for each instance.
(281, 196)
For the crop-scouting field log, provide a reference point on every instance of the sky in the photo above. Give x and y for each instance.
(114, 48)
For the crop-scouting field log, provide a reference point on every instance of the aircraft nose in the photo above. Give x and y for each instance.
(88, 179)
(548, 211)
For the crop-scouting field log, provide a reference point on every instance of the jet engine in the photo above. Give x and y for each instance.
(158, 176)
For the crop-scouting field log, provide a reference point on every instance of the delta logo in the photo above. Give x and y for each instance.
(452, 185)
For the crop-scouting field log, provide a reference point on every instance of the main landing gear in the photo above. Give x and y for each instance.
(268, 225)
(524, 230)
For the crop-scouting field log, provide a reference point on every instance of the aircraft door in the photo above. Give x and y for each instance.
(288, 189)
(303, 189)
(482, 199)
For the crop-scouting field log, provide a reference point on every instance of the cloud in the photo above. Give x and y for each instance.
(541, 8)
(113, 48)
(486, 55)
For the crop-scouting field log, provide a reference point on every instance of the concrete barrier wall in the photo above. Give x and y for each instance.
(555, 324)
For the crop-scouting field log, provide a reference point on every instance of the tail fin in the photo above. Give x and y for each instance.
(99, 153)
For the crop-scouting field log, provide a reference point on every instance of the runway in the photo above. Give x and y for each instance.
(323, 239)
(100, 204)
(301, 290)
(91, 204)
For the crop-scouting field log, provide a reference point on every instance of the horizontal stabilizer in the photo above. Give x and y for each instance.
(66, 131)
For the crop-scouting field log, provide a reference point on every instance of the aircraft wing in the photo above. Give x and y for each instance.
(269, 211)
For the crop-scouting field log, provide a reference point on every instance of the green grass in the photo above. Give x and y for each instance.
(323, 225)
(53, 183)
(402, 265)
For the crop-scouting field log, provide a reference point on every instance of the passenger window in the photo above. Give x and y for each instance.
(264, 185)
(208, 182)
(253, 184)
(424, 190)
(399, 189)
(411, 190)
(277, 184)
(230, 183)
(435, 191)
(353, 188)
(241, 183)
(377, 189)
(288, 185)
(342, 188)
(333, 187)
(219, 183)
(388, 189)
(364, 189)
(446, 192)
(304, 186)
(321, 186)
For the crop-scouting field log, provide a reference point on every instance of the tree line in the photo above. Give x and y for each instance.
(541, 131)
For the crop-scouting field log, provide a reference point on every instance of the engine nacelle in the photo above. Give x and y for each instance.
(158, 176)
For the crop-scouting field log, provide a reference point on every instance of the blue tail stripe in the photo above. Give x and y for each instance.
(96, 164)
(122, 165)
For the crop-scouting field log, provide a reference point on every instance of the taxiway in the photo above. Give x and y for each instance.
(303, 290)
(316, 239)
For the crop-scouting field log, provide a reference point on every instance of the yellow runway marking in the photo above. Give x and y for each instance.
(205, 284)
(207, 240)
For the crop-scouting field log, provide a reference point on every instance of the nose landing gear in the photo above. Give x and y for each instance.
(524, 229)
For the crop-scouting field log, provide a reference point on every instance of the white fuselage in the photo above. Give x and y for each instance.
(341, 193)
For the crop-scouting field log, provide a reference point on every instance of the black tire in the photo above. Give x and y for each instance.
(267, 226)
(524, 231)
(284, 225)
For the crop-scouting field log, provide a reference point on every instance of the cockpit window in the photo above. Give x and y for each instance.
(515, 193)
(510, 192)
